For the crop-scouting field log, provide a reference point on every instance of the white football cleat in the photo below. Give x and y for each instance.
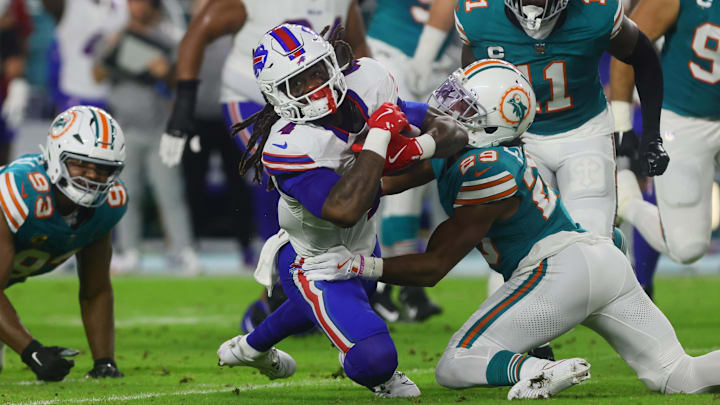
(2, 356)
(628, 190)
(398, 386)
(557, 376)
(273, 363)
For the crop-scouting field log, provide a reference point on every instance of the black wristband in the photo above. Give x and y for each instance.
(103, 361)
(184, 107)
(29, 350)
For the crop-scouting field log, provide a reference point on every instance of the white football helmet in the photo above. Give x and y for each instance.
(491, 98)
(532, 17)
(287, 51)
(91, 135)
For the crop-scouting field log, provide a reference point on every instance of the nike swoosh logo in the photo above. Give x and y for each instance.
(283, 146)
(340, 266)
(482, 172)
(386, 112)
(392, 159)
(22, 190)
(34, 357)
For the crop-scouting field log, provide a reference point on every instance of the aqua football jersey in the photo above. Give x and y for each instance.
(563, 68)
(691, 60)
(487, 175)
(43, 240)
(399, 23)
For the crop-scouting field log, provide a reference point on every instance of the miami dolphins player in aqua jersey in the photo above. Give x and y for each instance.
(680, 225)
(557, 44)
(54, 205)
(557, 274)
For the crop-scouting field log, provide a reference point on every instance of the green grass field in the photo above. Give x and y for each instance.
(168, 329)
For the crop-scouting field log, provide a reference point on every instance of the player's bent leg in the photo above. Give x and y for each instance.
(638, 331)
(341, 309)
(643, 215)
(285, 321)
(486, 364)
(534, 306)
(684, 191)
(684, 202)
(372, 362)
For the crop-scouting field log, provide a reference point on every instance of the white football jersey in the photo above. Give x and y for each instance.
(238, 78)
(81, 30)
(295, 148)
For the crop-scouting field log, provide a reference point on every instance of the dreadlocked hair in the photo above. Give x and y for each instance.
(264, 119)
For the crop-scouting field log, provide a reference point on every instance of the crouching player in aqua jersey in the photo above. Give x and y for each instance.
(557, 275)
(60, 203)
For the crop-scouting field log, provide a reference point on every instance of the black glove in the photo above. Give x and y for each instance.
(48, 363)
(653, 158)
(103, 368)
(182, 119)
(626, 144)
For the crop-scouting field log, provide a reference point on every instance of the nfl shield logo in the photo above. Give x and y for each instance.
(540, 48)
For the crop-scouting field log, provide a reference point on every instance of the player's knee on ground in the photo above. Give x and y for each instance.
(372, 361)
(463, 368)
(695, 375)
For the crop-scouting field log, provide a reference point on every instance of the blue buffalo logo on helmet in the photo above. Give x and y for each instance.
(259, 57)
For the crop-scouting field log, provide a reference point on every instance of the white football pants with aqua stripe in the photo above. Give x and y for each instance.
(580, 164)
(589, 283)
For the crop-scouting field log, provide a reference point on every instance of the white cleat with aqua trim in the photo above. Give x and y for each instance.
(555, 377)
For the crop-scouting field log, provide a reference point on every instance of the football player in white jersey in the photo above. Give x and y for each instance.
(558, 275)
(320, 103)
(247, 20)
(82, 26)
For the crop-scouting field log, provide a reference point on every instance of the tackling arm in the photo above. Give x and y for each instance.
(448, 134)
(414, 176)
(96, 297)
(451, 241)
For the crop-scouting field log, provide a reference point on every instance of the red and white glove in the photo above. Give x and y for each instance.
(341, 264)
(399, 151)
(402, 151)
(386, 121)
(390, 118)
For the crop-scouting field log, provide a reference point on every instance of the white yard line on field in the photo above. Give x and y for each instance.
(140, 321)
(250, 387)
